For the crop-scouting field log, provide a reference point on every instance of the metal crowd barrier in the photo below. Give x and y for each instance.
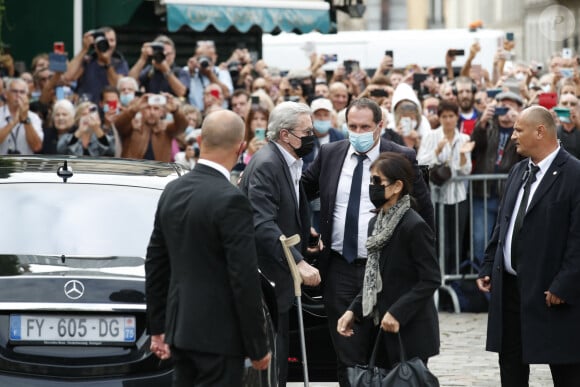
(455, 272)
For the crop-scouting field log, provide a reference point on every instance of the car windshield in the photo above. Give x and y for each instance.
(76, 220)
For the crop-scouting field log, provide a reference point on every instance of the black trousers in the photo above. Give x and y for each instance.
(513, 372)
(206, 369)
(343, 283)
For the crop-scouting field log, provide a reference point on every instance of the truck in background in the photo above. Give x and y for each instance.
(426, 48)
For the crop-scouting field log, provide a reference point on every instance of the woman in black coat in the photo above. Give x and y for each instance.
(402, 271)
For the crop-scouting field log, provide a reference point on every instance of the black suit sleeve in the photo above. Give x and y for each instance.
(236, 232)
(264, 192)
(310, 177)
(157, 272)
(421, 191)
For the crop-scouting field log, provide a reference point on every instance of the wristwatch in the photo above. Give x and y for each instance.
(26, 121)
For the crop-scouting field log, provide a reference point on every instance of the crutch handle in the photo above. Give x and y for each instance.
(296, 277)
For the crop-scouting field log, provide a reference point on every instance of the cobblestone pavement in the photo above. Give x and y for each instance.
(463, 361)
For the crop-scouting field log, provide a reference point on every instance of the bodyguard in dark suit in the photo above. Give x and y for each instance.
(345, 210)
(272, 183)
(202, 285)
(532, 262)
(401, 250)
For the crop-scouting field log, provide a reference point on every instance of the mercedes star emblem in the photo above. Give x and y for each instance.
(74, 289)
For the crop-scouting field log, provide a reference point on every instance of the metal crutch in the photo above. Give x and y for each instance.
(286, 244)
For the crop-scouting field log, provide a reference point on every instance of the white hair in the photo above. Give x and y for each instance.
(131, 80)
(285, 116)
(64, 104)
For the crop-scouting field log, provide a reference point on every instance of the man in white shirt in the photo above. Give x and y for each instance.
(20, 129)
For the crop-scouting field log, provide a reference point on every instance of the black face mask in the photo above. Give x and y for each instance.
(377, 195)
(306, 146)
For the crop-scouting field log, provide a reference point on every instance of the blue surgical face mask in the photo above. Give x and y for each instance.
(361, 142)
(189, 129)
(105, 108)
(321, 126)
(126, 98)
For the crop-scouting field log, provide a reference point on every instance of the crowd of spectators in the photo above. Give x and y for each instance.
(97, 105)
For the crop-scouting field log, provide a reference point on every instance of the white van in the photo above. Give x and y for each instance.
(427, 48)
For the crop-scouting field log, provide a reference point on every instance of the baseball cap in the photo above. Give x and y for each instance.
(321, 103)
(511, 96)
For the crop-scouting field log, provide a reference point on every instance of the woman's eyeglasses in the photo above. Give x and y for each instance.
(376, 180)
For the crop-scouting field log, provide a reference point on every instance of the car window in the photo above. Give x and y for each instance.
(76, 219)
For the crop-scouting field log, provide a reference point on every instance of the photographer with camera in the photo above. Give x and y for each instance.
(20, 129)
(203, 71)
(152, 139)
(161, 75)
(99, 68)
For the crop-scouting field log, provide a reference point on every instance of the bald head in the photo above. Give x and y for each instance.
(222, 129)
(539, 115)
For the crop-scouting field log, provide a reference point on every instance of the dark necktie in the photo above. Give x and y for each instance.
(529, 178)
(350, 239)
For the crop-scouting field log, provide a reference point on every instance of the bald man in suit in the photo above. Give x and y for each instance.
(532, 262)
(204, 305)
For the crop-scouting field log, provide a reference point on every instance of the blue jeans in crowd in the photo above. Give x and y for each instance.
(479, 216)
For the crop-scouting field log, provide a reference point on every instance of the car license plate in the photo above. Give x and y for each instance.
(72, 330)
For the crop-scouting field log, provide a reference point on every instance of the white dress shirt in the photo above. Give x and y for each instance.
(343, 194)
(507, 246)
(295, 167)
(220, 168)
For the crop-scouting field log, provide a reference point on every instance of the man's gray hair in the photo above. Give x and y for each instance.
(131, 80)
(17, 80)
(285, 116)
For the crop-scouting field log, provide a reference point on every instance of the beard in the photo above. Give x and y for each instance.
(466, 104)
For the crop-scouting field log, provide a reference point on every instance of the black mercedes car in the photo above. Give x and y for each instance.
(73, 238)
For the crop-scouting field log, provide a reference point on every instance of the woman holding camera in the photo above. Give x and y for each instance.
(402, 272)
(89, 138)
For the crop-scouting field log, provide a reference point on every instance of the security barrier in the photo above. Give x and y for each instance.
(465, 261)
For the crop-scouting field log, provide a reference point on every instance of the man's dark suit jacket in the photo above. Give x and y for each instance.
(268, 184)
(410, 274)
(322, 177)
(333, 136)
(202, 283)
(549, 259)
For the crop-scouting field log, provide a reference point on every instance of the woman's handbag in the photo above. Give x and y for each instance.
(368, 375)
(439, 174)
(407, 373)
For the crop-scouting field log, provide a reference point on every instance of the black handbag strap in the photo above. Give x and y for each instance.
(402, 353)
(401, 348)
(373, 358)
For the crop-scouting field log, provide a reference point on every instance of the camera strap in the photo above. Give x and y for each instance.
(13, 136)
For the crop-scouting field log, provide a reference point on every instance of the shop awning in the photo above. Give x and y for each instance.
(287, 15)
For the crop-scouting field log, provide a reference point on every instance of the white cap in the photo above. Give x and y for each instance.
(321, 103)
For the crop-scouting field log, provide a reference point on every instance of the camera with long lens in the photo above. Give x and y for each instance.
(204, 62)
(158, 51)
(100, 40)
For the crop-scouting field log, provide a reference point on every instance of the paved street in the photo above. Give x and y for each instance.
(463, 360)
